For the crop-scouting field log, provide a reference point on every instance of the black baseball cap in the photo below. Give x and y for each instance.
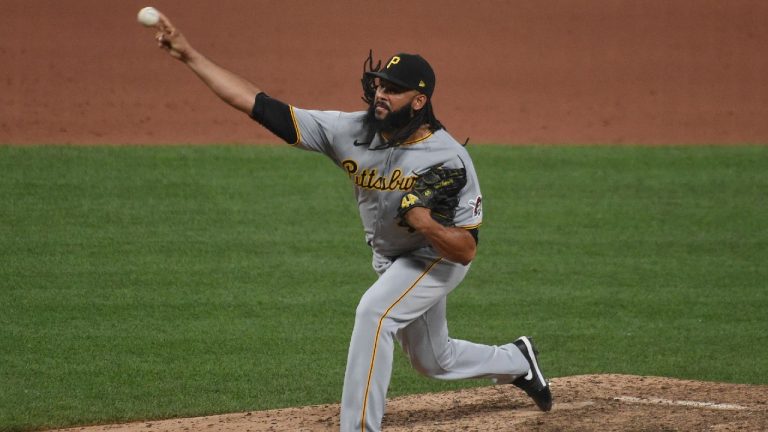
(409, 71)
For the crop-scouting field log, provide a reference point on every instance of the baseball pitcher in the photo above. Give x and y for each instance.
(421, 207)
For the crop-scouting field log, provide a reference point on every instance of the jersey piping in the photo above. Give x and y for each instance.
(469, 227)
(417, 140)
(295, 126)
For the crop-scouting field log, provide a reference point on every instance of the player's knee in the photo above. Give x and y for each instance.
(429, 367)
(363, 309)
(367, 312)
(429, 363)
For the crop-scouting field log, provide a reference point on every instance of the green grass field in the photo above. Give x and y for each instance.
(152, 282)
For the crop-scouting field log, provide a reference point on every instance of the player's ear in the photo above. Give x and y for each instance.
(419, 101)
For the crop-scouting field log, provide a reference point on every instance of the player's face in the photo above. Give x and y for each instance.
(392, 98)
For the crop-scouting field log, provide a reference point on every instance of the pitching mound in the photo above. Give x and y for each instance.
(582, 403)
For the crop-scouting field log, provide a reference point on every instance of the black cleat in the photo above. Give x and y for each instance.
(533, 384)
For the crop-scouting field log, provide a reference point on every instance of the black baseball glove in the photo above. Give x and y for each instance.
(437, 189)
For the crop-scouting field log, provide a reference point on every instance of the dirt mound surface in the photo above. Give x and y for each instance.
(582, 403)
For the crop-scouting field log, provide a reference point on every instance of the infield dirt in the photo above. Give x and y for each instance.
(582, 403)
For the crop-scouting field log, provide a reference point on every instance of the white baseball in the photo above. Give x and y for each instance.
(149, 16)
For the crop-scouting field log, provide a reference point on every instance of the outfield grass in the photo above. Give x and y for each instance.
(149, 282)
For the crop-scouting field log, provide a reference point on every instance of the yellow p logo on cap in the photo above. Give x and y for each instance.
(395, 60)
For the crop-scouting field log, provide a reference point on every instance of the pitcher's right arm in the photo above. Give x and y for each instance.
(230, 87)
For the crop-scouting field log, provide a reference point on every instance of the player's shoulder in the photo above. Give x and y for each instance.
(354, 115)
(350, 122)
(335, 114)
(335, 124)
(443, 141)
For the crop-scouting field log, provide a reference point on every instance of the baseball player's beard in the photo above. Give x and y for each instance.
(393, 122)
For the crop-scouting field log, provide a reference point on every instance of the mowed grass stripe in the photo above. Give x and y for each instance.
(149, 282)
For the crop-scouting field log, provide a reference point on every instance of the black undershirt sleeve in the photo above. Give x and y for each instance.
(275, 116)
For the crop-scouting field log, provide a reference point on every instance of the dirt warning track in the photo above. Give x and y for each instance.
(597, 71)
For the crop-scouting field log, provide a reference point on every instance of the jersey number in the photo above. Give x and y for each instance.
(408, 201)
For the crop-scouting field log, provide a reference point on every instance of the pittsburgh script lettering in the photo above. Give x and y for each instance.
(370, 178)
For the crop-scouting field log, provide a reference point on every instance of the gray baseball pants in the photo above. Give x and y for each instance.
(407, 303)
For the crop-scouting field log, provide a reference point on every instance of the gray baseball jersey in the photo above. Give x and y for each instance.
(382, 176)
(407, 302)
